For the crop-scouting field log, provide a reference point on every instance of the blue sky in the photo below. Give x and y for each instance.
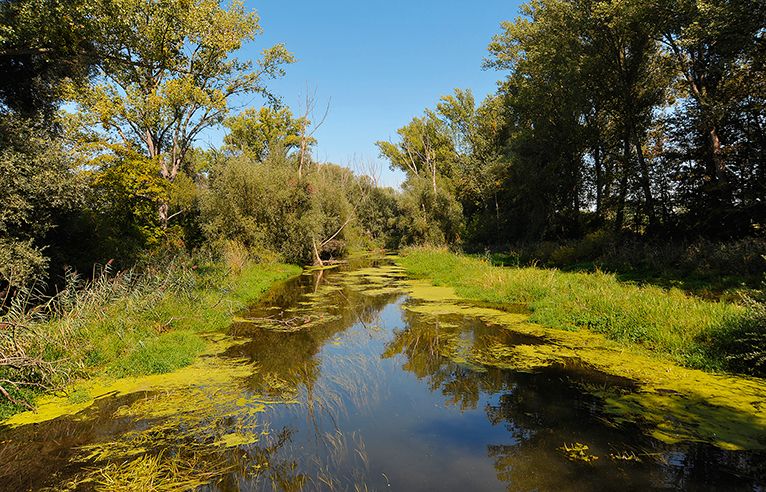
(378, 63)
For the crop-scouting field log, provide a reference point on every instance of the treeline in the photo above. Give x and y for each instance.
(634, 118)
(621, 119)
(102, 105)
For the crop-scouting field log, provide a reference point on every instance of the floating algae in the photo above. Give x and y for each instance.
(402, 384)
(208, 370)
(179, 430)
(676, 404)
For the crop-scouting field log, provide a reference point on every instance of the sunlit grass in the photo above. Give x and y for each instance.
(665, 321)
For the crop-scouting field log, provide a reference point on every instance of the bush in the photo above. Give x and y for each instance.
(742, 341)
(428, 216)
(269, 210)
(743, 258)
(38, 187)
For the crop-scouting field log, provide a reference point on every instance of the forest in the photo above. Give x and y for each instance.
(617, 121)
(614, 181)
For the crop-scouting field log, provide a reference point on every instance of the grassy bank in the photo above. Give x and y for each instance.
(693, 332)
(708, 269)
(124, 325)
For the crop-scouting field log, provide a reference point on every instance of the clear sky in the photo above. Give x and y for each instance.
(378, 63)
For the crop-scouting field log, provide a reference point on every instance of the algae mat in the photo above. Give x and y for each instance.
(676, 403)
(362, 379)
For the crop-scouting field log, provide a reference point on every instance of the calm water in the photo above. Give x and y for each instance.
(371, 397)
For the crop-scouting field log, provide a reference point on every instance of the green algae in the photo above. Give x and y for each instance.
(189, 435)
(383, 291)
(237, 439)
(675, 404)
(578, 452)
(206, 371)
(184, 427)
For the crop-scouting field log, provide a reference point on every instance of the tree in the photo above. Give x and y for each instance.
(425, 150)
(171, 75)
(546, 102)
(43, 42)
(38, 186)
(258, 133)
(715, 48)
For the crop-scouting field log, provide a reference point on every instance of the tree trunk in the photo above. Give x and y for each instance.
(317, 259)
(646, 186)
(597, 164)
(715, 153)
(163, 211)
(620, 215)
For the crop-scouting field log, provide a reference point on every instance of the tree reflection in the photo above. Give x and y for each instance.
(542, 410)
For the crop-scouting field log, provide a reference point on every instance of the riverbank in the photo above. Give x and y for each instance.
(127, 325)
(692, 332)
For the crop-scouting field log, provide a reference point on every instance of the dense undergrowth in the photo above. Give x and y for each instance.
(123, 324)
(692, 331)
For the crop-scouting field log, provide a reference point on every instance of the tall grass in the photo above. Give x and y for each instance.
(666, 321)
(124, 324)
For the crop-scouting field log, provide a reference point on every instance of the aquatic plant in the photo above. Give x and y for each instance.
(578, 452)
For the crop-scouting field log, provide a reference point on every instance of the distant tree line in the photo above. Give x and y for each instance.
(101, 107)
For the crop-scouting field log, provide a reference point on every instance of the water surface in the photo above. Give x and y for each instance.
(350, 386)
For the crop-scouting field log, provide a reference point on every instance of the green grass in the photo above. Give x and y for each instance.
(133, 338)
(666, 321)
(159, 355)
(144, 327)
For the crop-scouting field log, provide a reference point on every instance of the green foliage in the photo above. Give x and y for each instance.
(270, 210)
(709, 269)
(160, 111)
(454, 151)
(257, 133)
(425, 148)
(743, 343)
(128, 324)
(378, 215)
(43, 42)
(664, 321)
(263, 206)
(39, 186)
(428, 216)
(130, 188)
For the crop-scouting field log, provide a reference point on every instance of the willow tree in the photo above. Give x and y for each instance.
(425, 150)
(171, 74)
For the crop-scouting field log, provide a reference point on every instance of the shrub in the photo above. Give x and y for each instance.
(269, 210)
(428, 216)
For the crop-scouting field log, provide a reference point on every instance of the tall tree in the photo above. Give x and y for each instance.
(43, 42)
(172, 75)
(426, 149)
(714, 47)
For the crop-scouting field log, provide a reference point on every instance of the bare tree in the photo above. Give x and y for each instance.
(309, 127)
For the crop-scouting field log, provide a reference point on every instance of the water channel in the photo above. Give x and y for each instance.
(343, 379)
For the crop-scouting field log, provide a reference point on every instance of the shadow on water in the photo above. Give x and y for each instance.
(350, 390)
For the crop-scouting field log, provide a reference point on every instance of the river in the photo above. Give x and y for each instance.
(343, 379)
